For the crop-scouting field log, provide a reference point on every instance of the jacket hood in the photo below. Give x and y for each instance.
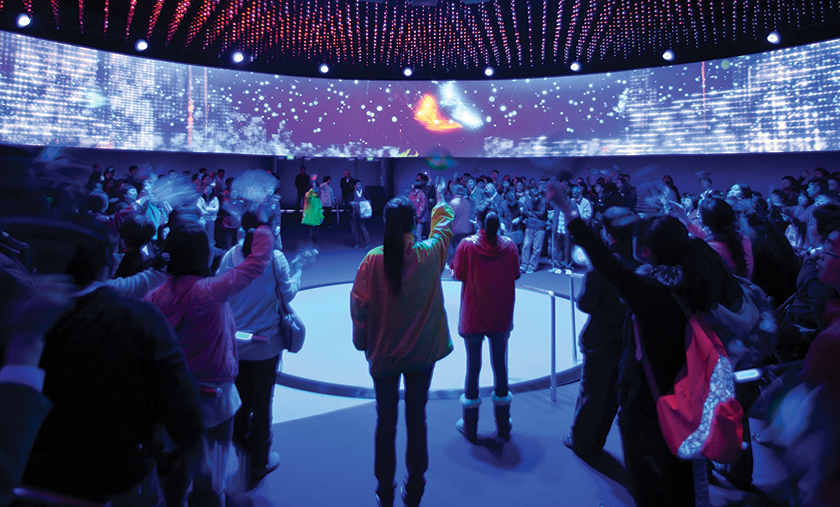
(485, 249)
(669, 276)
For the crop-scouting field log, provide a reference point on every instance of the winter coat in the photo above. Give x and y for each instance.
(407, 331)
(488, 274)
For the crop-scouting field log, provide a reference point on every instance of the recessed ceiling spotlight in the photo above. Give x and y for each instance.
(323, 68)
(407, 72)
(237, 57)
(774, 37)
(575, 66)
(669, 55)
(141, 45)
(489, 71)
(23, 20)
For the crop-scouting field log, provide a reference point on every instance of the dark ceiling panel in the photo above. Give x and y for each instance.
(450, 40)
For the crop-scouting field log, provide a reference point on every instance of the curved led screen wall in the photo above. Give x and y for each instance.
(782, 101)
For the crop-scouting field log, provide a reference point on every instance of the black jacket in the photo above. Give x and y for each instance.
(660, 319)
(114, 371)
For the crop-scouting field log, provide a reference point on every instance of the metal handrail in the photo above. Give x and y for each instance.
(571, 297)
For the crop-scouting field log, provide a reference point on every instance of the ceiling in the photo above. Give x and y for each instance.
(450, 40)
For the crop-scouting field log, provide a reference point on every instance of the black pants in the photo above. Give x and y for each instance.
(417, 453)
(656, 478)
(597, 401)
(498, 358)
(252, 424)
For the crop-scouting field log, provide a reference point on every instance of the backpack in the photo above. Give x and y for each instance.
(699, 418)
(750, 334)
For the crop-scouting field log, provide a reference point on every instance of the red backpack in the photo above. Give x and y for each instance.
(700, 417)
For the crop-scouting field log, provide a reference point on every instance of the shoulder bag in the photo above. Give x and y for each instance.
(291, 325)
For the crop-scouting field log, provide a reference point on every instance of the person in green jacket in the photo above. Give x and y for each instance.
(313, 213)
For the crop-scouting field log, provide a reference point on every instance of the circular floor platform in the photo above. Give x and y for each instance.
(330, 364)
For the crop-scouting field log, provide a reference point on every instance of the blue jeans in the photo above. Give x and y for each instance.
(532, 248)
(498, 350)
(417, 453)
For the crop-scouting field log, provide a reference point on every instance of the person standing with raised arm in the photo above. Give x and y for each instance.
(400, 323)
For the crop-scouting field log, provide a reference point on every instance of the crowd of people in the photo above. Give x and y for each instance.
(178, 286)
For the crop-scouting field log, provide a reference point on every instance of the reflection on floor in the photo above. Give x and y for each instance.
(327, 459)
(329, 355)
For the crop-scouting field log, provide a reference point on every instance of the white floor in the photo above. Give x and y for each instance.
(329, 356)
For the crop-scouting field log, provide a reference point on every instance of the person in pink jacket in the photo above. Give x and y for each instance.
(196, 304)
(488, 266)
(400, 323)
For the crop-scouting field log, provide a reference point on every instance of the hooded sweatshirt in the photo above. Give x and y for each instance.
(198, 309)
(488, 274)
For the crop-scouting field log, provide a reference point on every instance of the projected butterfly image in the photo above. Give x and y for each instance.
(447, 113)
(429, 115)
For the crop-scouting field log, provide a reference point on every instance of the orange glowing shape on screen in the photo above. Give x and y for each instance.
(430, 117)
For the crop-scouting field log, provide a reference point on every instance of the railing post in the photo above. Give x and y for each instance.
(574, 326)
(553, 388)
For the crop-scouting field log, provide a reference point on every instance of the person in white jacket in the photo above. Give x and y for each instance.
(208, 204)
(257, 311)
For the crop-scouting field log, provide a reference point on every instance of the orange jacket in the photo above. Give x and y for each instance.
(408, 331)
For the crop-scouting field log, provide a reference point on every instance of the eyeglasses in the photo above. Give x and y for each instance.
(822, 250)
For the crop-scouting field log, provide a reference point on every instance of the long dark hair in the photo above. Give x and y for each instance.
(719, 217)
(189, 250)
(706, 280)
(488, 219)
(399, 219)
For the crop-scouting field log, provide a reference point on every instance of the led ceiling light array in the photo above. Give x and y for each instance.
(450, 39)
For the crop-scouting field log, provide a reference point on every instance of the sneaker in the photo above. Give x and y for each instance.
(528, 272)
(356, 246)
(568, 442)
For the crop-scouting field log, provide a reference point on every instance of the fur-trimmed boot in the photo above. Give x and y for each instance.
(501, 409)
(468, 425)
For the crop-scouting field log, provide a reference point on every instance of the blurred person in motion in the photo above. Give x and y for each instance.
(114, 372)
(196, 304)
(488, 265)
(257, 311)
(601, 342)
(399, 321)
(813, 462)
(31, 305)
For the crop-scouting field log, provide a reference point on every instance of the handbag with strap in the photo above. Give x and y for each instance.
(700, 417)
(291, 325)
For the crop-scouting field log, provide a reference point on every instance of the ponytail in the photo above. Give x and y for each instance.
(489, 221)
(399, 219)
